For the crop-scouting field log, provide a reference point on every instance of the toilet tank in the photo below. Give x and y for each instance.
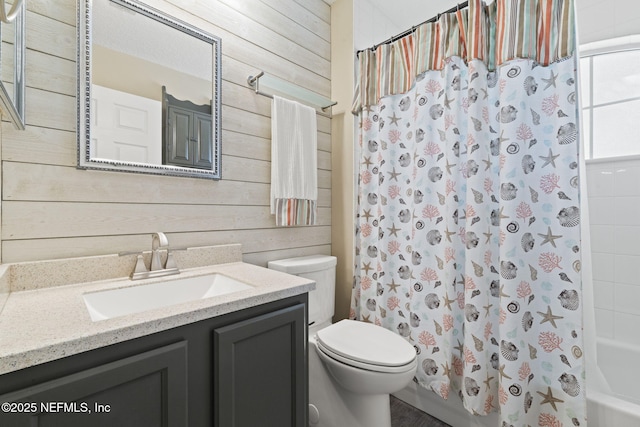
(322, 270)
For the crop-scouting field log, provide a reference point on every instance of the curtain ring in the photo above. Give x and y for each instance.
(13, 12)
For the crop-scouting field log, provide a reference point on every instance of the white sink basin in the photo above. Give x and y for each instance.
(135, 299)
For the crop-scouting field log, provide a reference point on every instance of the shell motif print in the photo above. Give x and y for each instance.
(569, 217)
(530, 85)
(507, 114)
(468, 235)
(567, 134)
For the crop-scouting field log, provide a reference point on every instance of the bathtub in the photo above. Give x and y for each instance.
(619, 407)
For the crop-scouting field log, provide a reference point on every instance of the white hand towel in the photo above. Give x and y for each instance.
(294, 163)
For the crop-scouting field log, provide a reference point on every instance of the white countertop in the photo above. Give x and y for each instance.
(41, 325)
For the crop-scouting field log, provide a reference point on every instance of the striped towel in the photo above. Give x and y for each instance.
(291, 212)
(294, 170)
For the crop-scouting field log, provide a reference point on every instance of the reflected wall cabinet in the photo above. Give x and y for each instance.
(187, 137)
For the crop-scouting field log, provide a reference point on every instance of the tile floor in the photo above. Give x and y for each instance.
(405, 415)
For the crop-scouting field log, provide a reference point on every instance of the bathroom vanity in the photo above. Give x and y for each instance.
(239, 359)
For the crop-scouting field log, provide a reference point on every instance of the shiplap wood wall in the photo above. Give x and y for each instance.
(52, 210)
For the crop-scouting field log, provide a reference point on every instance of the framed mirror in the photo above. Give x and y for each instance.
(12, 53)
(148, 92)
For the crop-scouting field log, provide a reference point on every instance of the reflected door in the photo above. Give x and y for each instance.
(125, 127)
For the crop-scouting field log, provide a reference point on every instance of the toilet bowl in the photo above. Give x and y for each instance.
(366, 363)
(353, 366)
(365, 358)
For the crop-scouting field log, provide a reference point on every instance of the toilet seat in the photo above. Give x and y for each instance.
(366, 346)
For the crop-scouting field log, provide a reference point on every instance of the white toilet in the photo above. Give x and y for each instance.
(353, 366)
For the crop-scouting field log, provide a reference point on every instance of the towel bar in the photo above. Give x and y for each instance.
(289, 90)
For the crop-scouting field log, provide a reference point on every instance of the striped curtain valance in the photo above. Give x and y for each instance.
(542, 30)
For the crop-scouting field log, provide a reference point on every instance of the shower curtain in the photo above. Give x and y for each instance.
(468, 218)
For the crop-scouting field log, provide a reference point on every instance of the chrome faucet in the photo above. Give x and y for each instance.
(159, 242)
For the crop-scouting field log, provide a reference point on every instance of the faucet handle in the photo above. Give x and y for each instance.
(171, 262)
(140, 267)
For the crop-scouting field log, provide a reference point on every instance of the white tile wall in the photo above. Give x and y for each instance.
(627, 240)
(603, 238)
(603, 294)
(614, 198)
(626, 210)
(613, 190)
(602, 265)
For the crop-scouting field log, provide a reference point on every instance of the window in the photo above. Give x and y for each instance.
(610, 96)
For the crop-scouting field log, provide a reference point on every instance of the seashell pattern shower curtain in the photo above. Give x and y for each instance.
(468, 237)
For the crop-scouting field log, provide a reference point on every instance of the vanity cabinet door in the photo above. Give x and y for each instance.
(260, 369)
(148, 389)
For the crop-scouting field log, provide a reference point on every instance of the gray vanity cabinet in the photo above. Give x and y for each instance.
(245, 368)
(151, 386)
(258, 367)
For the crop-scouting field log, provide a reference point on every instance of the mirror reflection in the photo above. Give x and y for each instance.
(153, 98)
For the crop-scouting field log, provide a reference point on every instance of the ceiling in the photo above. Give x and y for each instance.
(378, 20)
(403, 14)
(407, 13)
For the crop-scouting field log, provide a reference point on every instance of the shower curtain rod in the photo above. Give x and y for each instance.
(412, 29)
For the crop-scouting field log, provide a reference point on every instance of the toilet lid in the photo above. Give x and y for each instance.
(365, 343)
